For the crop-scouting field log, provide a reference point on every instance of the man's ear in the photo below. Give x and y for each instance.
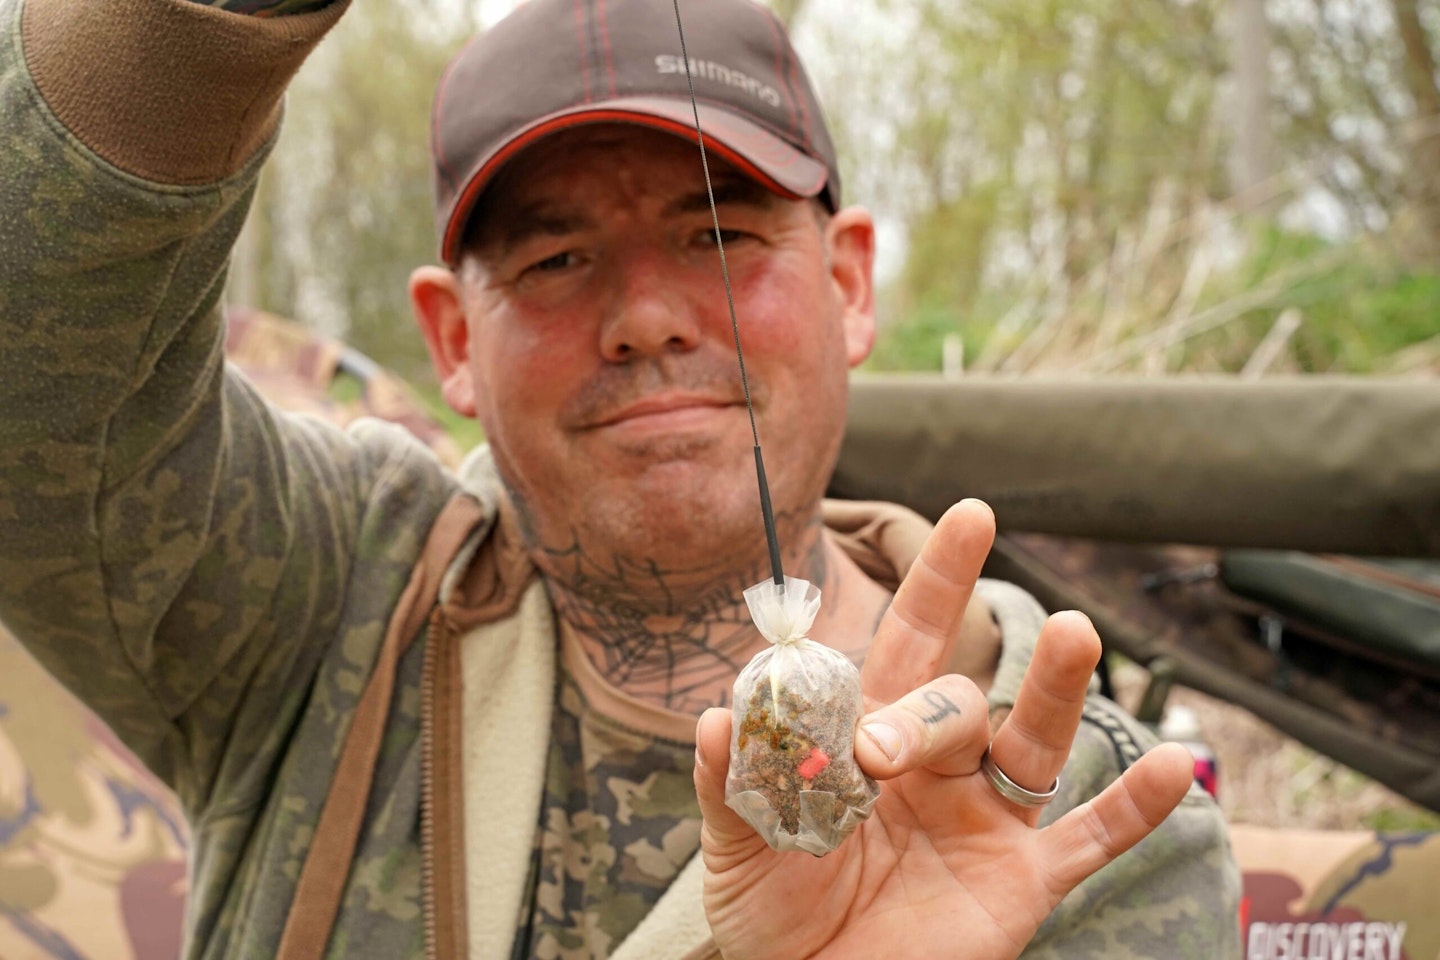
(436, 301)
(850, 238)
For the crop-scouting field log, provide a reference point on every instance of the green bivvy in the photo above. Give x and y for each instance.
(1270, 542)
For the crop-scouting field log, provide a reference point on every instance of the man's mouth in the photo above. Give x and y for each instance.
(665, 411)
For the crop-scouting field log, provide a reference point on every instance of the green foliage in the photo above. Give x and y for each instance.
(1405, 819)
(465, 431)
(1360, 306)
(1357, 313)
(915, 343)
(947, 247)
(1369, 307)
(345, 388)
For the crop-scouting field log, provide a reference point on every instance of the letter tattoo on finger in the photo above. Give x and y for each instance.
(942, 704)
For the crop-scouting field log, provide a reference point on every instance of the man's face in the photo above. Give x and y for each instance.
(601, 362)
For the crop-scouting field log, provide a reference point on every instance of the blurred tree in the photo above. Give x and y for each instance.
(1033, 141)
(1059, 174)
(1255, 150)
(1082, 185)
(1424, 134)
(1361, 111)
(344, 211)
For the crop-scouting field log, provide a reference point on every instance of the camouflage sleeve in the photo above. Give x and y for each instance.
(167, 543)
(1176, 894)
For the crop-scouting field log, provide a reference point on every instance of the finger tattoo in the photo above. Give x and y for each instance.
(944, 707)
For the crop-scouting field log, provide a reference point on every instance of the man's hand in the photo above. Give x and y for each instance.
(945, 866)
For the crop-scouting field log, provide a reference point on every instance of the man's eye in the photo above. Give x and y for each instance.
(727, 236)
(557, 262)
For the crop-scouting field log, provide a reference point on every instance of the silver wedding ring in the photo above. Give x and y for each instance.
(1011, 790)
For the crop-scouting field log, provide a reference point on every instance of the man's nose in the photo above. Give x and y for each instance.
(649, 312)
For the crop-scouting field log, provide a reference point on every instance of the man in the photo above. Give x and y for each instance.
(406, 719)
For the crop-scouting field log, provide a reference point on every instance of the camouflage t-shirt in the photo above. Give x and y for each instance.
(618, 820)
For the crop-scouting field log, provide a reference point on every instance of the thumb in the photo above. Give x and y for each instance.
(725, 836)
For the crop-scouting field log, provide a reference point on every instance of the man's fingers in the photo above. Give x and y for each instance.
(917, 631)
(1031, 746)
(1094, 833)
(725, 834)
(941, 727)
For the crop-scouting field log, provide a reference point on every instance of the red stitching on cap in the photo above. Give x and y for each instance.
(782, 48)
(583, 47)
(605, 41)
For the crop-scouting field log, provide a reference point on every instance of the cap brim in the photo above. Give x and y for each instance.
(746, 145)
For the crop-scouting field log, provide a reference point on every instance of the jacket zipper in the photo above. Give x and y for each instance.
(427, 784)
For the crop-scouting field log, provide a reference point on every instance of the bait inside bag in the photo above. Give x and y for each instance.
(793, 775)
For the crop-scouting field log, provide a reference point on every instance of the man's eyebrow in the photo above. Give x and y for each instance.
(740, 191)
(530, 222)
(503, 233)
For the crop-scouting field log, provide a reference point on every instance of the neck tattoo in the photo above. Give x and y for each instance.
(674, 638)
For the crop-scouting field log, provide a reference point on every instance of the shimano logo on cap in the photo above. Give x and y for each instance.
(718, 72)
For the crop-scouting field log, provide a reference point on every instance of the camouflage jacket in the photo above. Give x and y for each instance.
(214, 578)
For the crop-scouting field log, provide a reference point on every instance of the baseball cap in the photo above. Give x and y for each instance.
(556, 64)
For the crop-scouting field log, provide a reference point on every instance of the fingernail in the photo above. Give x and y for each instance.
(886, 737)
(699, 756)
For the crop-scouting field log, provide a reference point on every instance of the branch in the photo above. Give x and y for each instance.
(1216, 316)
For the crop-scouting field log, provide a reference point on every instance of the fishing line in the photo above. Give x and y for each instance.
(765, 510)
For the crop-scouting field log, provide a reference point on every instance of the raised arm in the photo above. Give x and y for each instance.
(173, 550)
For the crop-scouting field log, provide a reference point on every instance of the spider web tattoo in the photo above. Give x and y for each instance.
(672, 646)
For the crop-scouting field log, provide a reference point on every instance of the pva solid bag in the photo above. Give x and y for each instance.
(793, 775)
